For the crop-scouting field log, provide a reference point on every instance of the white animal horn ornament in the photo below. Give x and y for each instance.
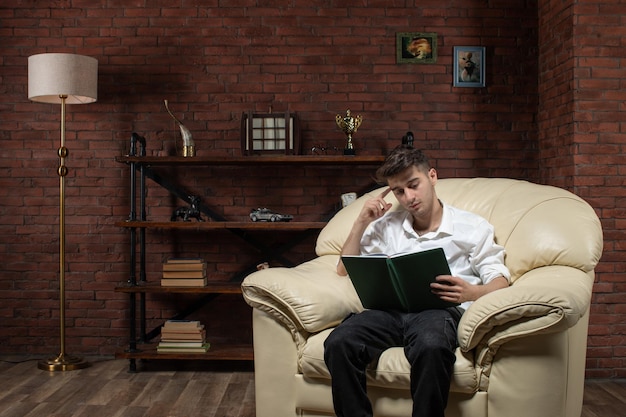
(188, 144)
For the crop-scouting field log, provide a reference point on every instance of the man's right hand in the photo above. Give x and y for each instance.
(373, 209)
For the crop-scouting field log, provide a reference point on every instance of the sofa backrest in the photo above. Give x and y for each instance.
(538, 225)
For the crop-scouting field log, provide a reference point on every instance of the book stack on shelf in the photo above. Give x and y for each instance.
(184, 272)
(183, 336)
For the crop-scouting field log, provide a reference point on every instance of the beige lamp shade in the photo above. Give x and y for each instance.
(53, 75)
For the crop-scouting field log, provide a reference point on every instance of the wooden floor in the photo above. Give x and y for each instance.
(107, 389)
(604, 398)
(178, 389)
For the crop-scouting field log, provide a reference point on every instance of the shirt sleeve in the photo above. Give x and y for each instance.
(487, 259)
(371, 241)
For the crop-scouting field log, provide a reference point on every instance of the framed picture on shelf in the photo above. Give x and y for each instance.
(270, 133)
(469, 66)
(416, 48)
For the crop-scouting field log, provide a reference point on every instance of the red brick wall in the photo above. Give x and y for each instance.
(213, 62)
(557, 66)
(581, 145)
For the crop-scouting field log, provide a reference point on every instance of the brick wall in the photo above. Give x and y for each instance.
(581, 142)
(214, 60)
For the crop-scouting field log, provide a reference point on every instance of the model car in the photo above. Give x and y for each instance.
(267, 215)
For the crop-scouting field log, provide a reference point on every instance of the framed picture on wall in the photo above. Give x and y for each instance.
(416, 48)
(469, 66)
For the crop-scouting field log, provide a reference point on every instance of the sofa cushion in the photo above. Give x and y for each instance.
(391, 370)
(531, 221)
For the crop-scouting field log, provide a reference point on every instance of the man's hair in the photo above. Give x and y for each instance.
(400, 159)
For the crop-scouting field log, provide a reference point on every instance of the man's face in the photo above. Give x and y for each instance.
(415, 190)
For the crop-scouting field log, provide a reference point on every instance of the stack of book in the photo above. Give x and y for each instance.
(184, 272)
(183, 336)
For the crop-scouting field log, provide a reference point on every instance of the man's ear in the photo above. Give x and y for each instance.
(432, 175)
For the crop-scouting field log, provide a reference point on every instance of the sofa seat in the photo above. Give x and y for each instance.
(391, 371)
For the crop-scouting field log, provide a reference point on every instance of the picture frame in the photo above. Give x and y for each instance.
(270, 133)
(416, 48)
(469, 66)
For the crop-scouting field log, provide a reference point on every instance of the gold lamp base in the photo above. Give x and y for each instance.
(63, 363)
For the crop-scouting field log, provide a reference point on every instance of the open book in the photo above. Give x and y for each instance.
(400, 282)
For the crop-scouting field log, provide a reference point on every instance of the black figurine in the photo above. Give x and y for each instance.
(186, 213)
(408, 139)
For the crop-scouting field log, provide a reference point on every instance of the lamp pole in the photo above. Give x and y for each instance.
(63, 362)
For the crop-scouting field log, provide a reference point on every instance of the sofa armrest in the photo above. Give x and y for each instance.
(543, 300)
(307, 298)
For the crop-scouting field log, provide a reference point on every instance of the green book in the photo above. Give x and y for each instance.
(399, 282)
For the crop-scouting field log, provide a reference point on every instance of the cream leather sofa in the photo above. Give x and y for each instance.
(521, 349)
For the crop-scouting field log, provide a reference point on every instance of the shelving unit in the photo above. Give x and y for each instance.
(138, 288)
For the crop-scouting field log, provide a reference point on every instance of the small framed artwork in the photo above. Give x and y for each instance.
(469, 66)
(270, 133)
(416, 48)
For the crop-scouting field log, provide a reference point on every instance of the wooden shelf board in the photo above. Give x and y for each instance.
(210, 288)
(212, 225)
(225, 160)
(235, 352)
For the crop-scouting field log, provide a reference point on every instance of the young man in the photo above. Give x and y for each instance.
(428, 337)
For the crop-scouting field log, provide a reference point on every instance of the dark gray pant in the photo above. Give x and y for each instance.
(429, 341)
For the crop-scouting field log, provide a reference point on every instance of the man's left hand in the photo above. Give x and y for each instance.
(456, 290)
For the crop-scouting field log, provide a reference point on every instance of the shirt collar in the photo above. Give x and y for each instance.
(445, 228)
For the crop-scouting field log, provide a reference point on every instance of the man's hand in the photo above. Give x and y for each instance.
(373, 209)
(457, 290)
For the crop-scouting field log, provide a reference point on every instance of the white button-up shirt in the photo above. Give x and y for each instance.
(466, 238)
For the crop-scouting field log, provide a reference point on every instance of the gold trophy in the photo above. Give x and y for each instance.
(349, 126)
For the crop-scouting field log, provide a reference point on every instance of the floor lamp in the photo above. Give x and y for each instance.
(62, 79)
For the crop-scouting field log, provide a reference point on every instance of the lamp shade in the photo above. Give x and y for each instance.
(53, 75)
